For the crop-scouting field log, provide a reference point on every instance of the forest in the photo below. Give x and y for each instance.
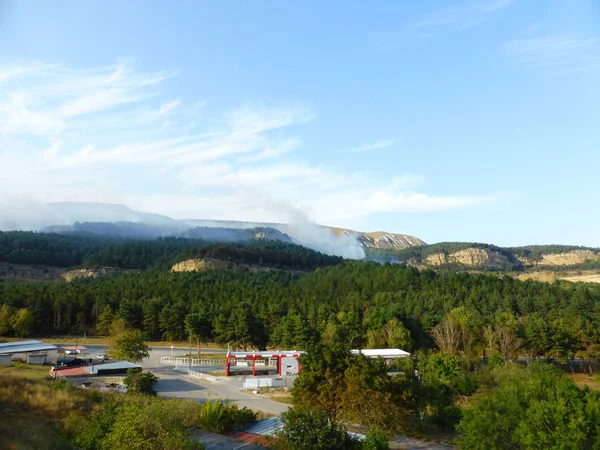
(490, 353)
(360, 304)
(91, 251)
(532, 253)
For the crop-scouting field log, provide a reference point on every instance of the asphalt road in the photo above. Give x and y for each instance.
(179, 385)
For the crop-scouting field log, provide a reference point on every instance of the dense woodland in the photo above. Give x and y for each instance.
(59, 250)
(532, 253)
(463, 330)
(357, 303)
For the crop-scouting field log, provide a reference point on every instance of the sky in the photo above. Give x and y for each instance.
(462, 120)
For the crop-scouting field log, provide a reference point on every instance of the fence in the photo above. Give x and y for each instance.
(205, 376)
(255, 383)
(194, 362)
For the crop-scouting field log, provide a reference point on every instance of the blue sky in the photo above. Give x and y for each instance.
(447, 120)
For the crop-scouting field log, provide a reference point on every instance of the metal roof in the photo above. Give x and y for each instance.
(69, 372)
(383, 352)
(271, 354)
(36, 346)
(266, 427)
(10, 344)
(111, 366)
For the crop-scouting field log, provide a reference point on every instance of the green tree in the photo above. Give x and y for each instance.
(307, 429)
(392, 335)
(375, 440)
(6, 320)
(23, 322)
(129, 345)
(138, 382)
(321, 383)
(292, 331)
(368, 396)
(199, 326)
(534, 407)
(104, 321)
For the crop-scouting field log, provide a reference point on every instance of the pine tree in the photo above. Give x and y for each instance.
(104, 321)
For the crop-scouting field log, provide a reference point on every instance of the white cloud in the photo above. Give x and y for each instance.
(464, 14)
(555, 51)
(108, 134)
(382, 143)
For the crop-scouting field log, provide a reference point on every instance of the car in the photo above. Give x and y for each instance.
(102, 357)
(72, 352)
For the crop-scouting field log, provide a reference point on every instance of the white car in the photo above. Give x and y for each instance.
(102, 357)
(72, 352)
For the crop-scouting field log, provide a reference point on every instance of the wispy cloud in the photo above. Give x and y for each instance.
(110, 134)
(382, 143)
(464, 14)
(555, 51)
(458, 16)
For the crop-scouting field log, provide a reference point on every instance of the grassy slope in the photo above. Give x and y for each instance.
(33, 408)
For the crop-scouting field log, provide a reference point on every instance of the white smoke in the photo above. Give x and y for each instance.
(309, 234)
(26, 213)
(324, 240)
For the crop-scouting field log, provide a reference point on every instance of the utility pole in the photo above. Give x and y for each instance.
(190, 355)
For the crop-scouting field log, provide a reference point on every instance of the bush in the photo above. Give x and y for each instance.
(494, 361)
(137, 422)
(533, 407)
(375, 440)
(140, 382)
(219, 417)
(306, 429)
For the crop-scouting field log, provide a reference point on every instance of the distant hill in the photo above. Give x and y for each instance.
(116, 220)
(381, 239)
(458, 256)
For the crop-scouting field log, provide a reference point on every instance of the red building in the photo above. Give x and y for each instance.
(285, 362)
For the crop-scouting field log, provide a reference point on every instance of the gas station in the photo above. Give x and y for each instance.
(284, 362)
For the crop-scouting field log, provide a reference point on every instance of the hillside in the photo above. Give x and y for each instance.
(566, 261)
(116, 220)
(38, 256)
(380, 239)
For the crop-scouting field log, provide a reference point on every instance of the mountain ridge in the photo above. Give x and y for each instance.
(73, 212)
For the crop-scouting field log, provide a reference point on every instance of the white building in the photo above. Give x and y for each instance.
(33, 352)
(385, 353)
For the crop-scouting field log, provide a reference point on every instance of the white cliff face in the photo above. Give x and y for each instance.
(471, 257)
(569, 258)
(387, 240)
(198, 265)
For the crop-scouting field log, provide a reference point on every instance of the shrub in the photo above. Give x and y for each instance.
(137, 422)
(494, 361)
(220, 417)
(140, 382)
(306, 429)
(375, 440)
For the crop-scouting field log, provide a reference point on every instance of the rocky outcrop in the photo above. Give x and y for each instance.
(586, 276)
(568, 259)
(22, 273)
(89, 273)
(470, 257)
(198, 265)
(388, 240)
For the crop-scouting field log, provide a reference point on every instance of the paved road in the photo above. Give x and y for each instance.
(179, 385)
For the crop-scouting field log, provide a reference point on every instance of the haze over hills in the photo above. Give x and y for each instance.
(69, 216)
(546, 263)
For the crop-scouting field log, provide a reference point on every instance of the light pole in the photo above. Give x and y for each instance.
(190, 355)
